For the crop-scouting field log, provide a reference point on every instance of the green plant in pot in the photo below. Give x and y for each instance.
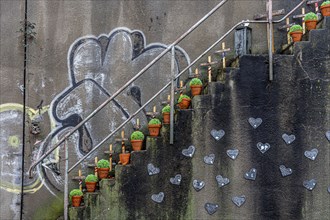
(325, 8)
(296, 32)
(196, 86)
(76, 197)
(154, 126)
(166, 114)
(184, 101)
(90, 182)
(310, 21)
(137, 138)
(103, 167)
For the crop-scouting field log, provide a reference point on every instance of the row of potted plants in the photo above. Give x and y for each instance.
(137, 138)
(310, 19)
(103, 167)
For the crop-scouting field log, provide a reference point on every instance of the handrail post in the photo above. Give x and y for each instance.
(66, 181)
(270, 45)
(172, 94)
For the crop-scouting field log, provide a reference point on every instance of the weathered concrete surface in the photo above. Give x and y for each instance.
(58, 25)
(297, 102)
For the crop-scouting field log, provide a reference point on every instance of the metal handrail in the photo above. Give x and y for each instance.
(125, 86)
(160, 91)
(177, 76)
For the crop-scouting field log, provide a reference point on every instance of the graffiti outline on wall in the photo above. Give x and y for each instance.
(98, 67)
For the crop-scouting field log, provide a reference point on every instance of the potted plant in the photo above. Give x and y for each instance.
(196, 86)
(184, 101)
(76, 197)
(296, 32)
(310, 21)
(103, 167)
(137, 138)
(154, 126)
(124, 158)
(325, 8)
(166, 114)
(90, 182)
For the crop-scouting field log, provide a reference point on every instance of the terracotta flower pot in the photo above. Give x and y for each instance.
(137, 144)
(103, 172)
(296, 36)
(311, 24)
(90, 186)
(325, 9)
(124, 158)
(154, 130)
(76, 200)
(184, 104)
(196, 89)
(166, 118)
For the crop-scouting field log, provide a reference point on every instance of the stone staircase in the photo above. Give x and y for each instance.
(296, 102)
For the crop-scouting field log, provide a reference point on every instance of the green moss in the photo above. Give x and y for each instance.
(295, 27)
(195, 81)
(52, 209)
(91, 178)
(167, 108)
(75, 192)
(183, 97)
(154, 121)
(325, 3)
(137, 135)
(103, 164)
(310, 16)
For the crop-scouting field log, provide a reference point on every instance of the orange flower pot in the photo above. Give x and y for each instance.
(196, 89)
(124, 158)
(296, 36)
(103, 172)
(137, 144)
(154, 130)
(311, 24)
(90, 186)
(325, 9)
(166, 118)
(184, 104)
(76, 200)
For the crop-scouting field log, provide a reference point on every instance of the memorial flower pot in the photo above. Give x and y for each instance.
(196, 86)
(325, 9)
(166, 114)
(154, 126)
(76, 201)
(137, 138)
(124, 158)
(103, 167)
(184, 102)
(137, 145)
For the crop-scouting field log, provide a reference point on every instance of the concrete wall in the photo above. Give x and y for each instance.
(61, 52)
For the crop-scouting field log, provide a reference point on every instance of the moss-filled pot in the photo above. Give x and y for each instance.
(103, 172)
(124, 158)
(184, 104)
(154, 129)
(90, 186)
(296, 36)
(166, 118)
(311, 24)
(76, 201)
(196, 89)
(325, 10)
(137, 145)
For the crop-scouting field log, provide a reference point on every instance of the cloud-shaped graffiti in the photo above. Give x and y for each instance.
(98, 67)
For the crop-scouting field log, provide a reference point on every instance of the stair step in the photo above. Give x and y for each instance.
(76, 213)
